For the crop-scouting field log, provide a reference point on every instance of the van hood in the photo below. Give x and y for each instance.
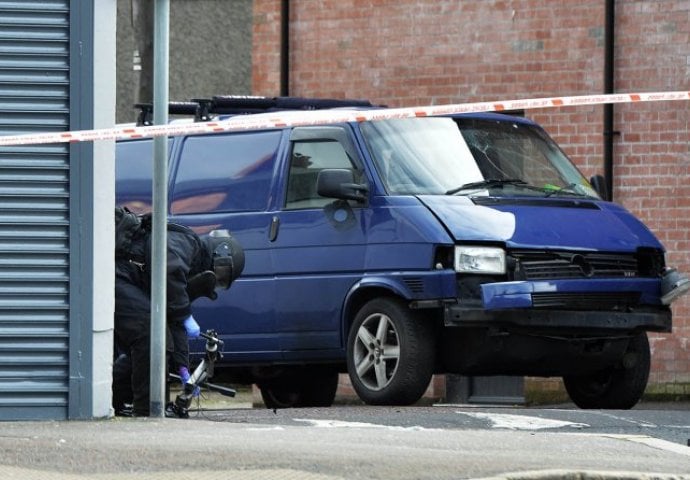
(541, 223)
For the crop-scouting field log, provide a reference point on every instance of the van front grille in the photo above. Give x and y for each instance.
(565, 265)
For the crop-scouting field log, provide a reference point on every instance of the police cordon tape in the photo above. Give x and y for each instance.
(320, 117)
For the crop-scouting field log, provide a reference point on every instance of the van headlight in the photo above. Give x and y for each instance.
(480, 259)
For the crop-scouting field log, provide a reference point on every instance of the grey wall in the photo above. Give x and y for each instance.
(210, 51)
(35, 74)
(92, 196)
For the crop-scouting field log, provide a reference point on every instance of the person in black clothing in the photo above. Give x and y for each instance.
(187, 256)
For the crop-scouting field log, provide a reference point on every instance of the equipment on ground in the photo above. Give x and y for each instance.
(199, 379)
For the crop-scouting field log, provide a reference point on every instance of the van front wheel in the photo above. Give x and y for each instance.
(619, 387)
(390, 353)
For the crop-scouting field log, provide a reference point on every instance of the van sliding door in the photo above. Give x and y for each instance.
(225, 181)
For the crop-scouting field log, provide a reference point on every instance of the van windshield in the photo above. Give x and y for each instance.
(470, 156)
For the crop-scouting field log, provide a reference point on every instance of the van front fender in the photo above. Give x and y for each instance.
(412, 286)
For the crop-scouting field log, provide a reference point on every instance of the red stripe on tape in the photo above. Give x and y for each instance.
(313, 117)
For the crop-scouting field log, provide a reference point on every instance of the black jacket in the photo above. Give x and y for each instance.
(186, 256)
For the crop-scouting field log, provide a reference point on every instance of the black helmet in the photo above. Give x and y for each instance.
(227, 256)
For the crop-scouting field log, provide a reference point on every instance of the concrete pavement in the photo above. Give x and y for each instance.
(205, 448)
(162, 448)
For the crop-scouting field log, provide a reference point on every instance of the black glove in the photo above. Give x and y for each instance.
(202, 285)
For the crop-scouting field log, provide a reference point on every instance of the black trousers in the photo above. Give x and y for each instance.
(132, 365)
(177, 347)
(122, 382)
(133, 339)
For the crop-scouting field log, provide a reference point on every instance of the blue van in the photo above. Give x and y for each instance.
(396, 249)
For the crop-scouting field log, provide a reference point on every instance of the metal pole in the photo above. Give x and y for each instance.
(285, 48)
(609, 13)
(160, 208)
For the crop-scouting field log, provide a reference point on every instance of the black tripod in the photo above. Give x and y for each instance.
(199, 378)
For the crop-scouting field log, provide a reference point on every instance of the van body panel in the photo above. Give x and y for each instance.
(411, 285)
(577, 225)
(316, 256)
(404, 219)
(329, 250)
(253, 339)
(251, 296)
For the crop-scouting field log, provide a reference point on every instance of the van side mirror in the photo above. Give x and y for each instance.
(340, 183)
(598, 183)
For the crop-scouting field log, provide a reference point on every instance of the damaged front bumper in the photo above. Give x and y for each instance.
(656, 321)
(611, 304)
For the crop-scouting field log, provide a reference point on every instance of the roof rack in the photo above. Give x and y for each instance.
(242, 105)
(239, 105)
(198, 107)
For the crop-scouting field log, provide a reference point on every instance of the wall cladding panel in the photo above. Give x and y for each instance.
(34, 211)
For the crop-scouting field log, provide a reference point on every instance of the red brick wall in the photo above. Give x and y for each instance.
(266, 48)
(405, 53)
(652, 161)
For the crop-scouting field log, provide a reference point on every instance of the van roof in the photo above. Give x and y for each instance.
(229, 107)
(508, 116)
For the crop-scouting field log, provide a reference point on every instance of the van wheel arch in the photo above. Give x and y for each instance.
(360, 298)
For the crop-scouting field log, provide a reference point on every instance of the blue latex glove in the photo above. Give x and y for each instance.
(192, 328)
(184, 378)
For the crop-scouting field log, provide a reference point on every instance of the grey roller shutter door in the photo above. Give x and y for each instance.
(34, 211)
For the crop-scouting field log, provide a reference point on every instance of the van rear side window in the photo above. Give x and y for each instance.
(225, 173)
(133, 171)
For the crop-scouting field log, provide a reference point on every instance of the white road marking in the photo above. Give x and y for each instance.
(623, 419)
(522, 422)
(342, 424)
(516, 422)
(653, 442)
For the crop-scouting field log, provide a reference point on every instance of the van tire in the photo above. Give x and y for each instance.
(395, 366)
(305, 387)
(619, 387)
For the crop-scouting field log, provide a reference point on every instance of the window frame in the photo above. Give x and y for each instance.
(320, 134)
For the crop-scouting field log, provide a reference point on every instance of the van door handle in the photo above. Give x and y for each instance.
(273, 232)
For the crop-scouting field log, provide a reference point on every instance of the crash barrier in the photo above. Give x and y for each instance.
(321, 117)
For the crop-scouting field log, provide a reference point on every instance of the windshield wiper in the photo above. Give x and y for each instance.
(568, 189)
(492, 183)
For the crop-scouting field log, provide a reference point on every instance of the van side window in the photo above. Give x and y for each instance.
(225, 173)
(133, 171)
(306, 161)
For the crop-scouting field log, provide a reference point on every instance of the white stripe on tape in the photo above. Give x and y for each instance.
(312, 117)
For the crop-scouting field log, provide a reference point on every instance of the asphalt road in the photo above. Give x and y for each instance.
(664, 421)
